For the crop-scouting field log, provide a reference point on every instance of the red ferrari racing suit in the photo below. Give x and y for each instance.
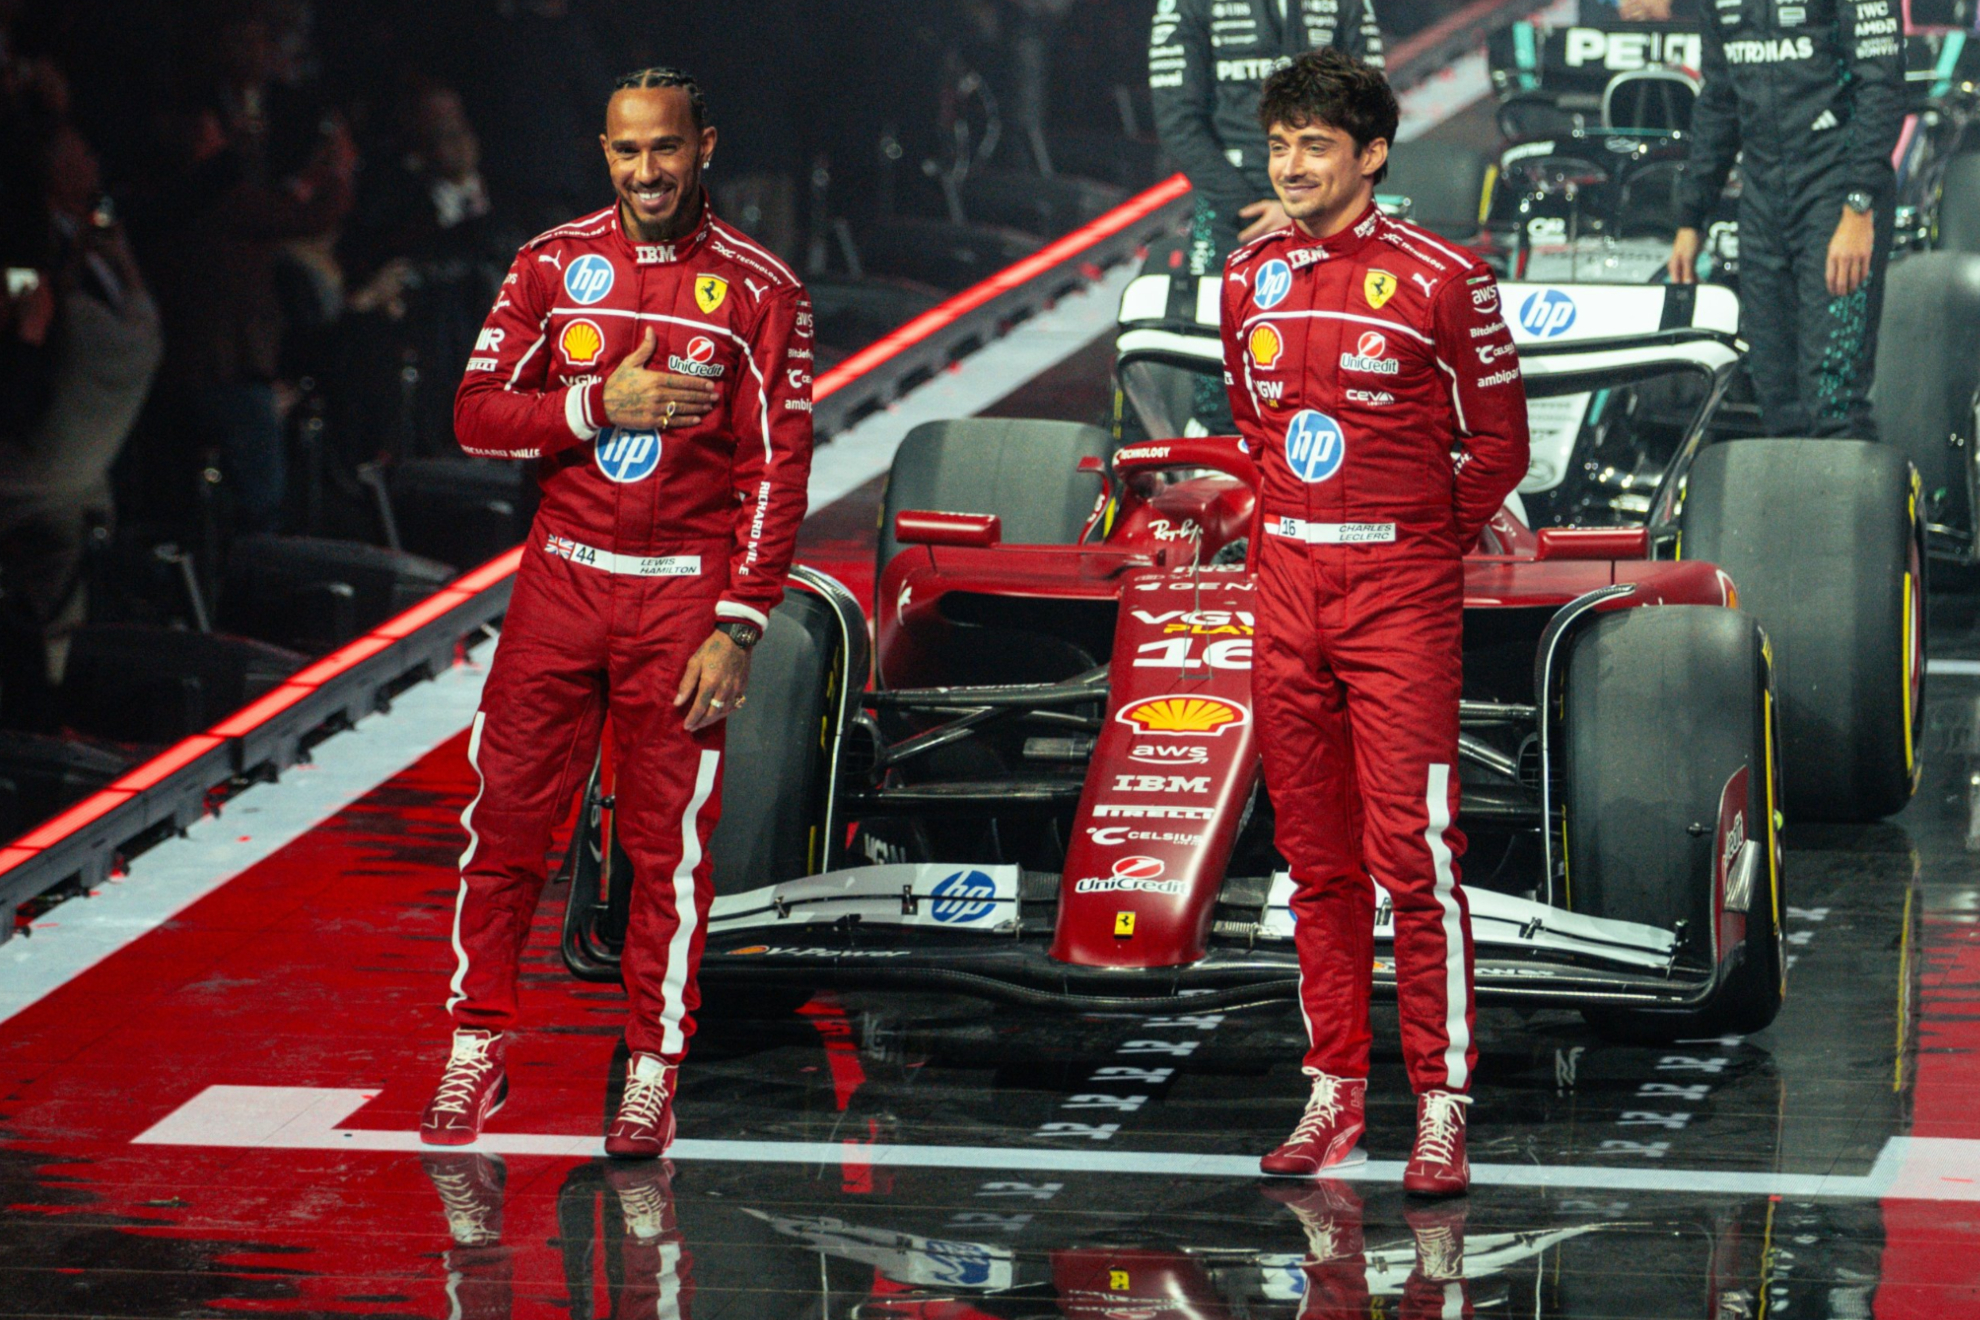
(1374, 378)
(642, 541)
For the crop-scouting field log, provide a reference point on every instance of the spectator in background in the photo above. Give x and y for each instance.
(1205, 70)
(541, 74)
(104, 347)
(425, 256)
(222, 222)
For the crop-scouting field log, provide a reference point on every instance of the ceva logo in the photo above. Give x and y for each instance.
(963, 897)
(1546, 314)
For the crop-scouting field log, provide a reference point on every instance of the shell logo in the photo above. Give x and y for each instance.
(1266, 347)
(1186, 716)
(582, 343)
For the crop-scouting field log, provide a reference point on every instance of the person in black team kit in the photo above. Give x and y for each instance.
(1207, 61)
(1810, 96)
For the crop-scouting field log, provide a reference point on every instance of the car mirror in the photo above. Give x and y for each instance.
(922, 527)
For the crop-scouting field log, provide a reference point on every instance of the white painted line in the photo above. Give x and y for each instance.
(857, 455)
(1954, 668)
(261, 820)
(306, 1118)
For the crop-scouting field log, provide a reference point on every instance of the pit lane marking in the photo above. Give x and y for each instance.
(281, 1118)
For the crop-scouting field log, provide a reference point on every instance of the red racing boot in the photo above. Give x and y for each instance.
(1336, 1115)
(645, 1125)
(471, 1090)
(1437, 1166)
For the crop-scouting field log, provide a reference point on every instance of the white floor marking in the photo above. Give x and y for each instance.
(854, 457)
(307, 1118)
(179, 872)
(1954, 668)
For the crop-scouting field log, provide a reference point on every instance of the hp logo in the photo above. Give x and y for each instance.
(1271, 285)
(1315, 446)
(589, 279)
(1546, 314)
(963, 897)
(628, 455)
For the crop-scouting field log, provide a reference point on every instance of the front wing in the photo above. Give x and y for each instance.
(985, 929)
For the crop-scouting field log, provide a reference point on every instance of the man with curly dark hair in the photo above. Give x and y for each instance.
(1372, 376)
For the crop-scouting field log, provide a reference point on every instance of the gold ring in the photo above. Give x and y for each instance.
(664, 421)
(671, 405)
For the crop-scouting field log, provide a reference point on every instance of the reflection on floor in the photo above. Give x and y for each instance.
(289, 1025)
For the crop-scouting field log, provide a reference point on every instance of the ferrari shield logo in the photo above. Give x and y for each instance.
(709, 291)
(1378, 288)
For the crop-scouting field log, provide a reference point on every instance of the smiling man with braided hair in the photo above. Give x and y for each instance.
(671, 502)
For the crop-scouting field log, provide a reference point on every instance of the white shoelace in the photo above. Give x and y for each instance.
(1440, 1126)
(645, 1210)
(467, 1214)
(470, 1061)
(1322, 1108)
(1439, 1254)
(646, 1097)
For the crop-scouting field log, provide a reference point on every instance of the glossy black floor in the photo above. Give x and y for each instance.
(1673, 1181)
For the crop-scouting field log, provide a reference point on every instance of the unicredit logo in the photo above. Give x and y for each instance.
(1371, 355)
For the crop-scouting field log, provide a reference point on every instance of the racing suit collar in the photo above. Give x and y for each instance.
(1344, 244)
(660, 254)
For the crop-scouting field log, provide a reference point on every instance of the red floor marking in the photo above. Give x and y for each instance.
(1932, 1249)
(324, 965)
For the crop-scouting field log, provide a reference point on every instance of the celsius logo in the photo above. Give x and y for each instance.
(1271, 285)
(589, 279)
(625, 456)
(964, 896)
(1546, 314)
(1315, 446)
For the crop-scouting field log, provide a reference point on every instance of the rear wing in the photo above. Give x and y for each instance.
(1179, 314)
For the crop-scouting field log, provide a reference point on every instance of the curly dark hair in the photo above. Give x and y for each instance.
(1328, 87)
(662, 76)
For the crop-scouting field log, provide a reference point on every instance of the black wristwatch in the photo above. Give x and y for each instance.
(1859, 201)
(742, 634)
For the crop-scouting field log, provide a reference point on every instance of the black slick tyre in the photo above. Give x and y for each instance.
(774, 778)
(1667, 728)
(1020, 469)
(1927, 390)
(1824, 543)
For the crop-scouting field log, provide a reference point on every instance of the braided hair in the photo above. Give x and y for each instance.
(660, 75)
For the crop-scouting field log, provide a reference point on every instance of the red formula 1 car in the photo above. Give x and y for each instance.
(1045, 787)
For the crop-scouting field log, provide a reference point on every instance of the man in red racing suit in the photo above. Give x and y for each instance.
(670, 507)
(1372, 375)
